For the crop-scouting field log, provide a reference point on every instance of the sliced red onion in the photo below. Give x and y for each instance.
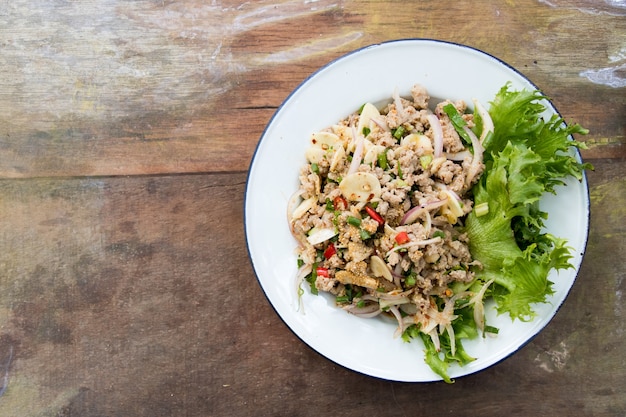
(412, 215)
(411, 310)
(397, 270)
(399, 107)
(401, 326)
(382, 123)
(435, 126)
(368, 311)
(451, 192)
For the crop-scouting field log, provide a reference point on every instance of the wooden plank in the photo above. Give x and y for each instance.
(134, 296)
(180, 87)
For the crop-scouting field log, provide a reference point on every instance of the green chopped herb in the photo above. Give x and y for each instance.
(311, 278)
(410, 280)
(315, 168)
(457, 122)
(366, 131)
(425, 161)
(439, 233)
(364, 234)
(342, 299)
(354, 221)
(398, 132)
(382, 159)
(491, 329)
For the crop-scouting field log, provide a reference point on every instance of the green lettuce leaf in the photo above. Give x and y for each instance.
(525, 157)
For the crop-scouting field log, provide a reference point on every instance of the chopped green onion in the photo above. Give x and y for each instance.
(311, 278)
(410, 281)
(366, 131)
(491, 329)
(425, 161)
(399, 132)
(315, 168)
(342, 299)
(481, 209)
(354, 221)
(401, 183)
(439, 233)
(364, 234)
(329, 205)
(457, 122)
(382, 159)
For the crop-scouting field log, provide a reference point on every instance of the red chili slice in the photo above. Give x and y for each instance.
(330, 251)
(402, 238)
(374, 215)
(322, 272)
(340, 203)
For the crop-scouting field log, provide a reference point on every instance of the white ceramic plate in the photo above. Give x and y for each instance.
(371, 74)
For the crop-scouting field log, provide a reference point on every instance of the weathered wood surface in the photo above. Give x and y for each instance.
(126, 129)
(122, 88)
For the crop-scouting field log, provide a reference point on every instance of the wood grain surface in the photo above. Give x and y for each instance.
(126, 132)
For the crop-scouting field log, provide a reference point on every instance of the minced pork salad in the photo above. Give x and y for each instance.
(422, 211)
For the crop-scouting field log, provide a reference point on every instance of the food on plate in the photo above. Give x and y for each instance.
(422, 211)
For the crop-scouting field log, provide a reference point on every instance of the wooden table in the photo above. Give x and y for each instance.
(126, 130)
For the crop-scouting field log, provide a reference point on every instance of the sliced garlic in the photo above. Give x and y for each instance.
(343, 132)
(305, 206)
(371, 156)
(379, 268)
(322, 145)
(368, 112)
(338, 156)
(360, 186)
(314, 154)
(436, 163)
(418, 142)
(454, 205)
(325, 140)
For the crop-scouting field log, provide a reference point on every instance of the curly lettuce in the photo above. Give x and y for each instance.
(525, 157)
